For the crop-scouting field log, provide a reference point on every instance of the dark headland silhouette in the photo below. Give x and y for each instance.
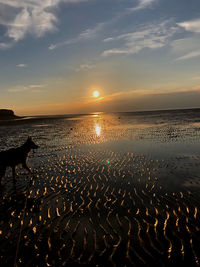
(7, 114)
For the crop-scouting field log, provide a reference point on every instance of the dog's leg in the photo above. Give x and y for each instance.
(2, 172)
(13, 173)
(24, 165)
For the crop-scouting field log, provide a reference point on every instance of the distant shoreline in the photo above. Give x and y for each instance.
(28, 119)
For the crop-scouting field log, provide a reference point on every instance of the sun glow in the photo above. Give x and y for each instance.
(96, 94)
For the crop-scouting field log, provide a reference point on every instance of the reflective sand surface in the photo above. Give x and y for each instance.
(107, 189)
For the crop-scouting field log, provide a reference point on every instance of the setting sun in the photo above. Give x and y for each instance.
(95, 94)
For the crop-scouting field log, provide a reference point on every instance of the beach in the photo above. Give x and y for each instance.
(114, 189)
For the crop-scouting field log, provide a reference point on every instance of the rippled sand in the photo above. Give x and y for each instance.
(107, 190)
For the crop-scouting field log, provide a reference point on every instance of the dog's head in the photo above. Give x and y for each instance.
(31, 144)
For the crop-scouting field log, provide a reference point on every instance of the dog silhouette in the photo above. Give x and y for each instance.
(16, 156)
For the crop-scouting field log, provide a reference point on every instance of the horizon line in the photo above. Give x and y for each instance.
(106, 112)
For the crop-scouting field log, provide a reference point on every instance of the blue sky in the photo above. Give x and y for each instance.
(139, 54)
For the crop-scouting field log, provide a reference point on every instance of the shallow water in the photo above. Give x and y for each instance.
(107, 189)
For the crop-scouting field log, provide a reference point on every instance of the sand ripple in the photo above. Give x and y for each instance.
(90, 212)
(98, 203)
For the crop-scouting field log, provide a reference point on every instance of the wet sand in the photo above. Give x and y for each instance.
(107, 189)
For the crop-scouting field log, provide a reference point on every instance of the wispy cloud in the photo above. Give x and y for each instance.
(133, 95)
(85, 67)
(142, 4)
(87, 34)
(5, 45)
(136, 93)
(32, 86)
(34, 17)
(21, 65)
(18, 89)
(195, 78)
(23, 88)
(190, 45)
(191, 25)
(185, 45)
(91, 33)
(152, 36)
(190, 55)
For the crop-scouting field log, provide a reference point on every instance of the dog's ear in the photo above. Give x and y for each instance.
(29, 138)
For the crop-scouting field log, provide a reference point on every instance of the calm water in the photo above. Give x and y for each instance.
(121, 189)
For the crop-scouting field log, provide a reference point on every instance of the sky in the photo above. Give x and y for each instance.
(139, 55)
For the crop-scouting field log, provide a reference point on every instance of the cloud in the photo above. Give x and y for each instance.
(34, 17)
(85, 67)
(152, 37)
(144, 99)
(185, 45)
(91, 33)
(191, 25)
(195, 78)
(116, 51)
(32, 86)
(190, 55)
(190, 46)
(186, 48)
(142, 4)
(87, 34)
(138, 93)
(5, 45)
(21, 65)
(23, 88)
(18, 89)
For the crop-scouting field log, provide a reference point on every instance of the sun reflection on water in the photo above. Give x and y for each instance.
(98, 130)
(95, 114)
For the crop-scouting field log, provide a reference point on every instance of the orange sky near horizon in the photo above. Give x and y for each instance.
(120, 101)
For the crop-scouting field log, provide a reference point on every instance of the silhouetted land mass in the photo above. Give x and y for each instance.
(7, 114)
